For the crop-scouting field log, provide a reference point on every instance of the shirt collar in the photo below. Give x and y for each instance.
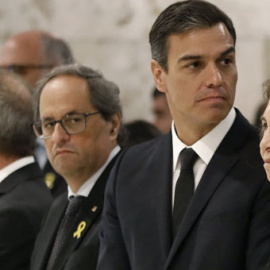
(207, 145)
(14, 166)
(87, 186)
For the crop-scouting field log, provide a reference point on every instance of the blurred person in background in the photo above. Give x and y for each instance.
(161, 112)
(24, 197)
(32, 54)
(139, 131)
(257, 122)
(265, 130)
(265, 136)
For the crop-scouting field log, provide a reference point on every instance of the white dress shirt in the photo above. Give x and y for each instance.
(204, 148)
(14, 166)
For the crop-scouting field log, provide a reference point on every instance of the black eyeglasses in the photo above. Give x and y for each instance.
(22, 69)
(71, 123)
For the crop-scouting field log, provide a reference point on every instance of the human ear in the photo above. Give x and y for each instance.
(115, 125)
(158, 75)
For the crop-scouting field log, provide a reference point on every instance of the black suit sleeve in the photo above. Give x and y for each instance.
(18, 233)
(112, 254)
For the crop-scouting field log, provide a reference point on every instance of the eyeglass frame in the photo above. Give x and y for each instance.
(29, 66)
(60, 121)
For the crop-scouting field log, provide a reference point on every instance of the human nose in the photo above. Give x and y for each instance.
(59, 133)
(213, 76)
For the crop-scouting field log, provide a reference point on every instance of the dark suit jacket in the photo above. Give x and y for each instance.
(80, 253)
(24, 199)
(227, 224)
(54, 181)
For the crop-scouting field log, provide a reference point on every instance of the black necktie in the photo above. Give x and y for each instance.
(65, 226)
(184, 187)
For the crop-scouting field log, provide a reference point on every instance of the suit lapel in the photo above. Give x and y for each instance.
(223, 160)
(89, 212)
(163, 204)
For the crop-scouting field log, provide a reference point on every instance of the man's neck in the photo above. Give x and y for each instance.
(6, 160)
(189, 134)
(76, 182)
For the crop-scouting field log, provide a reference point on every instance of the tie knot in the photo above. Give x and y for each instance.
(187, 158)
(74, 205)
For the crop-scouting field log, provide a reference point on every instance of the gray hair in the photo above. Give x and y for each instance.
(104, 94)
(16, 134)
(56, 51)
(266, 89)
(182, 17)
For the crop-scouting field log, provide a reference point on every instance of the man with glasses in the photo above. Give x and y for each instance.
(78, 115)
(32, 54)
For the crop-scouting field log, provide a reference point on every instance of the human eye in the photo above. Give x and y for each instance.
(194, 65)
(48, 124)
(73, 120)
(227, 61)
(264, 126)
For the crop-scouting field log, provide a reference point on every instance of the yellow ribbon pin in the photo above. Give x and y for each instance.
(80, 228)
(49, 179)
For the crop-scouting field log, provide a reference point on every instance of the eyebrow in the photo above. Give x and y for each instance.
(66, 114)
(198, 57)
(228, 51)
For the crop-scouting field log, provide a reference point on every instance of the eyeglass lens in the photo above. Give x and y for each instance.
(72, 124)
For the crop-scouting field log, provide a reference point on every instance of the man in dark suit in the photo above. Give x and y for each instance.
(162, 211)
(32, 54)
(78, 116)
(24, 197)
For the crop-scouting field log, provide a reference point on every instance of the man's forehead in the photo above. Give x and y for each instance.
(214, 39)
(62, 107)
(66, 90)
(197, 29)
(69, 80)
(16, 52)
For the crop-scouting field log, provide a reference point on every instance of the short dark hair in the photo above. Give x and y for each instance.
(139, 131)
(182, 17)
(16, 134)
(104, 94)
(56, 51)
